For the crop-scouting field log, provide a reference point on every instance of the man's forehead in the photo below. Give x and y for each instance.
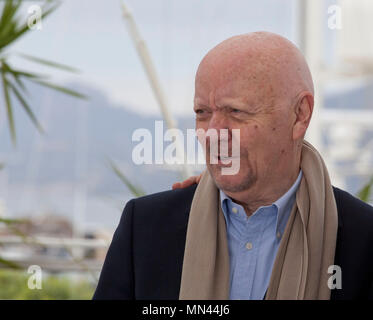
(230, 60)
(235, 80)
(223, 70)
(244, 91)
(259, 66)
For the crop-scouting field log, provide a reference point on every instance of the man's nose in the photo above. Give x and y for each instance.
(218, 121)
(219, 124)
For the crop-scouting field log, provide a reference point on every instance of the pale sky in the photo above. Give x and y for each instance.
(92, 36)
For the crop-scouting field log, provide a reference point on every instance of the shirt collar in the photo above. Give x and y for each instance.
(283, 205)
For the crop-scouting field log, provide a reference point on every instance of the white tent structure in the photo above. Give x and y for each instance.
(349, 152)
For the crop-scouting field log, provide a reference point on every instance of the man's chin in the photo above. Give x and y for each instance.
(231, 183)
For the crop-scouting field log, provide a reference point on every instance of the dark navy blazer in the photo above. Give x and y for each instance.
(145, 258)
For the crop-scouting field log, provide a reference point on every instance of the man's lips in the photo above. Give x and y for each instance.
(222, 160)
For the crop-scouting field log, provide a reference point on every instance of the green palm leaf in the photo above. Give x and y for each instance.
(20, 73)
(8, 107)
(18, 80)
(12, 221)
(49, 63)
(365, 192)
(135, 190)
(26, 107)
(9, 264)
(11, 29)
(9, 10)
(59, 88)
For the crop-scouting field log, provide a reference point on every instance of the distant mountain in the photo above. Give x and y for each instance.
(58, 170)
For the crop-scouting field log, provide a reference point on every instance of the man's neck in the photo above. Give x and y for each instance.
(258, 196)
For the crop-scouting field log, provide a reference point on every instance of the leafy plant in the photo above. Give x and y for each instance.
(13, 284)
(12, 225)
(365, 192)
(13, 80)
(12, 28)
(135, 190)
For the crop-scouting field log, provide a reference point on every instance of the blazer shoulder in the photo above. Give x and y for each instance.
(168, 195)
(178, 200)
(354, 246)
(353, 212)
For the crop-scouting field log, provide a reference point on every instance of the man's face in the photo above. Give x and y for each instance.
(229, 100)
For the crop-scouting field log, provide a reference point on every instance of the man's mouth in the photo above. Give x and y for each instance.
(225, 158)
(219, 159)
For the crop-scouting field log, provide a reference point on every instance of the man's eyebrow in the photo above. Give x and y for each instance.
(200, 105)
(246, 107)
(232, 106)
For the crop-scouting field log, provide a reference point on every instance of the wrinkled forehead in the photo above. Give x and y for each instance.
(244, 78)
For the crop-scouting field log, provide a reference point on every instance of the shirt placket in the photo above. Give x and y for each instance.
(252, 229)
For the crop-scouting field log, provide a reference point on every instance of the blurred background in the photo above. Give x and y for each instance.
(78, 77)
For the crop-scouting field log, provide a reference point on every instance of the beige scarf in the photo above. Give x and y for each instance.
(306, 250)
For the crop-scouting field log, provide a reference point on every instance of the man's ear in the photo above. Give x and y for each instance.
(303, 112)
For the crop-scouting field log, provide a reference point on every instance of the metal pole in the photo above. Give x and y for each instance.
(150, 71)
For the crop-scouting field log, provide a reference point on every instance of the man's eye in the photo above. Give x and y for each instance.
(235, 111)
(201, 112)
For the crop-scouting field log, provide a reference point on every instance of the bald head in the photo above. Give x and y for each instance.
(266, 60)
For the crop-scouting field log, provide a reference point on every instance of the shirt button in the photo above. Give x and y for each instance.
(249, 246)
(234, 210)
(278, 235)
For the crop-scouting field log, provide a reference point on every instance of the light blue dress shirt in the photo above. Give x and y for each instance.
(253, 242)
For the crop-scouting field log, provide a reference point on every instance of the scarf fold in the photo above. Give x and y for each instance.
(306, 250)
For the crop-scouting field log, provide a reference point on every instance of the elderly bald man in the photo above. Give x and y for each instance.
(276, 228)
